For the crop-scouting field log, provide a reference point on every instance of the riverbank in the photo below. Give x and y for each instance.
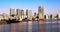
(40, 21)
(3, 22)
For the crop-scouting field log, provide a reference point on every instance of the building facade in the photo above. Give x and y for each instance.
(6, 16)
(1, 17)
(41, 12)
(58, 16)
(12, 11)
(29, 14)
(46, 16)
(20, 13)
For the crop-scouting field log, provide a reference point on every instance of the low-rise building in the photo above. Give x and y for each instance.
(1, 17)
(58, 16)
(46, 16)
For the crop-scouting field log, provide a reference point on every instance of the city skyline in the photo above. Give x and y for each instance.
(49, 6)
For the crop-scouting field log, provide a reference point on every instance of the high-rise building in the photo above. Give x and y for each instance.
(20, 13)
(29, 14)
(41, 12)
(12, 12)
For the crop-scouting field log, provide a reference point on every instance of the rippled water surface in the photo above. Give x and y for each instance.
(32, 26)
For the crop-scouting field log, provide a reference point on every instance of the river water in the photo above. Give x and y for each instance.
(32, 26)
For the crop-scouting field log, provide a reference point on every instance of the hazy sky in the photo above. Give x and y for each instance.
(50, 6)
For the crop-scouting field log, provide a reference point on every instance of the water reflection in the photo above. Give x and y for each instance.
(25, 27)
(20, 26)
(32, 26)
(48, 26)
(55, 26)
(35, 26)
(41, 26)
(59, 26)
(1, 28)
(13, 27)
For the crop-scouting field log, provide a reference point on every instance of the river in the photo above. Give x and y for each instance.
(32, 26)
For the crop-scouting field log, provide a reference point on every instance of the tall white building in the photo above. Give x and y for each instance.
(29, 14)
(12, 11)
(41, 12)
(20, 13)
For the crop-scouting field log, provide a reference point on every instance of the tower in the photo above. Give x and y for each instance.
(41, 12)
(12, 11)
(20, 13)
(29, 14)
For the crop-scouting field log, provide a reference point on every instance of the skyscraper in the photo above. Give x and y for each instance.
(29, 14)
(41, 12)
(20, 13)
(12, 12)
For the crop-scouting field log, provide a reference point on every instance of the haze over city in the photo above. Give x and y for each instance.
(50, 6)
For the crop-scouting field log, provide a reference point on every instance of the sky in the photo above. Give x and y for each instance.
(50, 6)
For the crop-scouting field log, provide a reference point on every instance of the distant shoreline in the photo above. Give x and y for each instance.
(5, 22)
